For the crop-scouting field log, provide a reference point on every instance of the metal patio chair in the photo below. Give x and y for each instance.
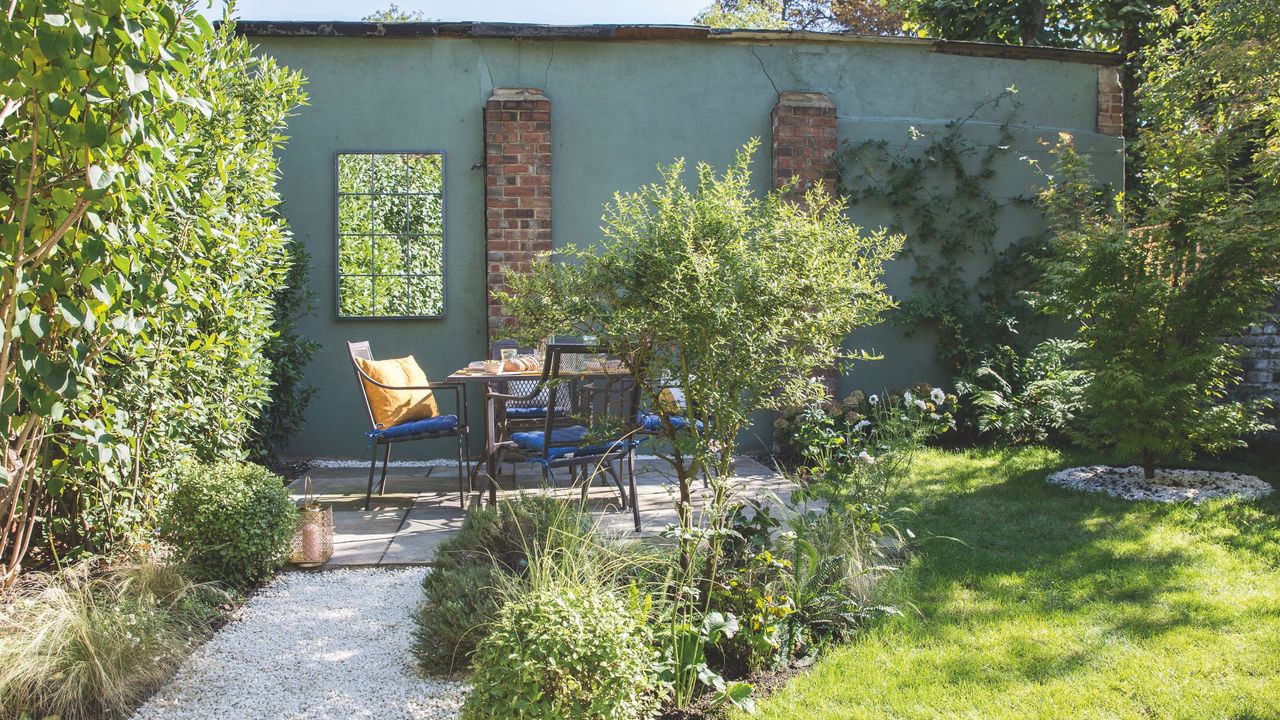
(598, 431)
(440, 426)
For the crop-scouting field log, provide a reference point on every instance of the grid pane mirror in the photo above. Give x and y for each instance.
(390, 234)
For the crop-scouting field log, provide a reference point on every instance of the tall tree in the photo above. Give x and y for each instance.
(858, 17)
(1127, 27)
(394, 14)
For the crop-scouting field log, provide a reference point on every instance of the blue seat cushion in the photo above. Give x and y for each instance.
(525, 413)
(565, 442)
(437, 424)
(652, 422)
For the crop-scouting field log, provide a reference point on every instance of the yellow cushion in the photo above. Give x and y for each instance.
(392, 407)
(671, 400)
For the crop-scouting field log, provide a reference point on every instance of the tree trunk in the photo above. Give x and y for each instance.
(1148, 465)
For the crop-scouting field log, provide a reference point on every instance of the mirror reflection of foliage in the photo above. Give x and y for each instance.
(938, 188)
(390, 234)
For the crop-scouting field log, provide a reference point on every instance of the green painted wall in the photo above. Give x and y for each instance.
(619, 109)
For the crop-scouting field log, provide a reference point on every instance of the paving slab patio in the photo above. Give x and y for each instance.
(420, 506)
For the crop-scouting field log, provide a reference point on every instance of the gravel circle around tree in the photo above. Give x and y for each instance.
(1128, 483)
(317, 645)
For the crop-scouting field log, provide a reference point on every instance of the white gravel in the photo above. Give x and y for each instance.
(313, 645)
(1167, 486)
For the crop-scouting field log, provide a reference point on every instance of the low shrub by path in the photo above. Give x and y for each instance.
(1052, 603)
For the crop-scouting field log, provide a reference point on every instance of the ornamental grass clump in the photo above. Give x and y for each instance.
(90, 642)
(460, 597)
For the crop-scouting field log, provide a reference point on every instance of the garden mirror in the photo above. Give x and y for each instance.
(390, 235)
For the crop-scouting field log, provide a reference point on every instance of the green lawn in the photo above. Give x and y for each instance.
(1058, 604)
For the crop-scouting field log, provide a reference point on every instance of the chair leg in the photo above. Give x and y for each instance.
(462, 479)
(373, 466)
(617, 481)
(386, 460)
(631, 480)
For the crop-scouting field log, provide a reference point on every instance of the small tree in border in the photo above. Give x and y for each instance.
(1158, 284)
(736, 299)
(1154, 303)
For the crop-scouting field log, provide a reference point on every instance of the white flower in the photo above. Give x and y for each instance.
(873, 399)
(922, 404)
(937, 396)
(935, 416)
(865, 457)
(907, 397)
(861, 424)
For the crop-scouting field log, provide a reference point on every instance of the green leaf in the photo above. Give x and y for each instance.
(100, 179)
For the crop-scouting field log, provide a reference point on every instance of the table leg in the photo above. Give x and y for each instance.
(491, 444)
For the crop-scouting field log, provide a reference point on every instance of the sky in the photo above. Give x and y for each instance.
(556, 12)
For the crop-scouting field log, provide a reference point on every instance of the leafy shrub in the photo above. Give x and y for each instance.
(1014, 396)
(1154, 303)
(460, 592)
(563, 652)
(149, 253)
(792, 593)
(232, 522)
(86, 644)
(460, 603)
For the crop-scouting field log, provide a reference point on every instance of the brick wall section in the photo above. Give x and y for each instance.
(1110, 102)
(517, 178)
(804, 140)
(804, 146)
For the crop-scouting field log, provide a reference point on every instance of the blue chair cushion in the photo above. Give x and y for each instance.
(565, 442)
(525, 413)
(437, 424)
(652, 422)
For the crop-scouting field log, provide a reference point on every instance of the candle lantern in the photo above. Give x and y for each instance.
(313, 540)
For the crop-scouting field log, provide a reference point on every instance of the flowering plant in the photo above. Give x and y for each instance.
(851, 453)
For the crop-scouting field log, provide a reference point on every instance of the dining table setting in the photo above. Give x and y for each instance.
(528, 369)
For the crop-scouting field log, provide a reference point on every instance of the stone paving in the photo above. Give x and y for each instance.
(420, 507)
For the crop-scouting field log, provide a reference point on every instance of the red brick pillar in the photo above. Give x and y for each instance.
(804, 147)
(1110, 102)
(804, 141)
(517, 180)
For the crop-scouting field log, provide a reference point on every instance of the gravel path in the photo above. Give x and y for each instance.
(312, 645)
(1128, 483)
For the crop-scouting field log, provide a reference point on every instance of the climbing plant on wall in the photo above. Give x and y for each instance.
(937, 186)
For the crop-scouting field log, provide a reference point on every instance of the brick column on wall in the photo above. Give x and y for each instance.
(804, 147)
(517, 192)
(804, 140)
(1110, 102)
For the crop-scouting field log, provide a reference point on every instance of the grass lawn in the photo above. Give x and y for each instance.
(1056, 604)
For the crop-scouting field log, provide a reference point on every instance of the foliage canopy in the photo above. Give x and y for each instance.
(140, 254)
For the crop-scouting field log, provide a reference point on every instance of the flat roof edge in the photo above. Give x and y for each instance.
(527, 31)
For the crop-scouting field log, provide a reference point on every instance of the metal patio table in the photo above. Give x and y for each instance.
(495, 443)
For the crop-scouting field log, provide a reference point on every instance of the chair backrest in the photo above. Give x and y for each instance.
(590, 399)
(518, 387)
(362, 351)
